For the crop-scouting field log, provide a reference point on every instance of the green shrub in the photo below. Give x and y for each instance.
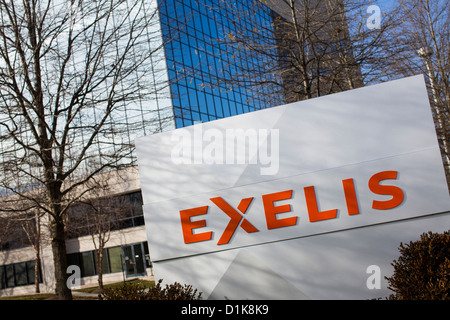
(127, 291)
(422, 272)
(135, 291)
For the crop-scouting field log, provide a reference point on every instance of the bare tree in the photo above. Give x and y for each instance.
(97, 216)
(422, 45)
(311, 48)
(73, 78)
(23, 228)
(32, 228)
(317, 47)
(5, 232)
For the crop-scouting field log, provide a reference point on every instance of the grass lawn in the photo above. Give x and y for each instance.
(94, 289)
(37, 296)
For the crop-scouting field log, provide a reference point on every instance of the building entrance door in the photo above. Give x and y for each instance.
(134, 260)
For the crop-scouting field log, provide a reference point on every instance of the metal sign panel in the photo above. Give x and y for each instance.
(297, 197)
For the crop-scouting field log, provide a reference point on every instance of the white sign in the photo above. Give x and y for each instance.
(238, 202)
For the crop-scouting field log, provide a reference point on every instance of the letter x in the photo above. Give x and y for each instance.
(236, 218)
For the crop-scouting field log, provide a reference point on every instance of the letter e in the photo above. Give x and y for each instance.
(271, 210)
(187, 225)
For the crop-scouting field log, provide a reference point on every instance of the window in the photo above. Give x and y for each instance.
(115, 259)
(203, 55)
(17, 274)
(10, 282)
(2, 278)
(30, 270)
(87, 264)
(112, 260)
(120, 212)
(21, 274)
(105, 263)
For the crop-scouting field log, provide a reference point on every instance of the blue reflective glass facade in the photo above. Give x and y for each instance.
(198, 60)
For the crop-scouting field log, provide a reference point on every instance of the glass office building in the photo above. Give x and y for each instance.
(197, 61)
(201, 64)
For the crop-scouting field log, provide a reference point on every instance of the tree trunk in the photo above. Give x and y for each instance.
(100, 268)
(60, 259)
(37, 248)
(37, 267)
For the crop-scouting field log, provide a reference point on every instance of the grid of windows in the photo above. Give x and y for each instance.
(86, 261)
(201, 64)
(18, 274)
(198, 62)
(113, 260)
(113, 213)
(143, 107)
